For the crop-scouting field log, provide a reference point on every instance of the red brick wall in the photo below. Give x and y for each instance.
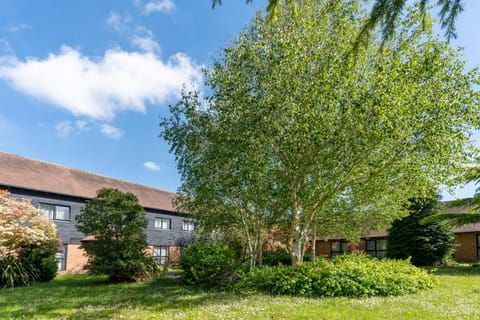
(466, 249)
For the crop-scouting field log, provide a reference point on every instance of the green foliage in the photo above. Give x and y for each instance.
(42, 259)
(15, 272)
(426, 244)
(299, 133)
(386, 13)
(346, 276)
(280, 257)
(211, 264)
(118, 223)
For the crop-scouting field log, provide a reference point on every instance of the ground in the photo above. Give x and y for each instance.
(87, 297)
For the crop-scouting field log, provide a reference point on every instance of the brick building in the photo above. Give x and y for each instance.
(60, 192)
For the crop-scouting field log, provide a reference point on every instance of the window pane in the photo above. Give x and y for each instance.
(370, 245)
(335, 246)
(344, 246)
(62, 213)
(382, 245)
(48, 210)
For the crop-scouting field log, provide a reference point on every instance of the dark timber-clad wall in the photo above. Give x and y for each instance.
(67, 230)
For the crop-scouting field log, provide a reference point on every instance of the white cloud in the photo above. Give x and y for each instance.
(117, 22)
(19, 27)
(99, 88)
(111, 131)
(66, 128)
(146, 43)
(159, 6)
(144, 40)
(152, 166)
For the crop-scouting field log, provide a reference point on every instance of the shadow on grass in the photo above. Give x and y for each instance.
(88, 297)
(458, 271)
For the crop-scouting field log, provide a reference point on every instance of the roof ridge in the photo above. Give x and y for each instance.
(87, 172)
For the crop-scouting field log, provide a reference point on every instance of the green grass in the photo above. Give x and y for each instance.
(86, 297)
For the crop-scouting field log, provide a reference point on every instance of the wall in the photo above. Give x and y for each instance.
(466, 249)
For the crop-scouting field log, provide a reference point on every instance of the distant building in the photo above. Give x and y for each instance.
(60, 192)
(467, 240)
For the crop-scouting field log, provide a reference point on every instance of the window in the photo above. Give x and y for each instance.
(478, 245)
(162, 223)
(61, 257)
(55, 212)
(376, 248)
(187, 225)
(160, 255)
(338, 248)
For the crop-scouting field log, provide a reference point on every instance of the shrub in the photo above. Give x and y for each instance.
(279, 257)
(28, 243)
(428, 244)
(210, 264)
(349, 276)
(118, 222)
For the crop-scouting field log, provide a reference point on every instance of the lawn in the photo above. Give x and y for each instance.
(87, 297)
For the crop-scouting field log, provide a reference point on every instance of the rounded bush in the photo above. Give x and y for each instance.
(210, 264)
(347, 276)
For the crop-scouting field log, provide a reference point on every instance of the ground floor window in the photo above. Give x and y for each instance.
(160, 254)
(478, 245)
(376, 248)
(61, 257)
(338, 248)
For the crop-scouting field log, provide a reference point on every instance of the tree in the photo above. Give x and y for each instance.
(426, 244)
(117, 222)
(300, 134)
(386, 13)
(28, 243)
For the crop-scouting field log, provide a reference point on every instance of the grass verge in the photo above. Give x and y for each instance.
(86, 297)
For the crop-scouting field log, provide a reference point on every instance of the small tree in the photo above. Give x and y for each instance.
(28, 242)
(426, 244)
(117, 221)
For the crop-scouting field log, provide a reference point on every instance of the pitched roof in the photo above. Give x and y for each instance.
(17, 171)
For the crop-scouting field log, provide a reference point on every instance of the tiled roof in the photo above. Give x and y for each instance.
(16, 171)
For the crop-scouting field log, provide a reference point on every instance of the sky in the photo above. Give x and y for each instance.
(84, 84)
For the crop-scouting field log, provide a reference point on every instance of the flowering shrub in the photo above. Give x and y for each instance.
(28, 242)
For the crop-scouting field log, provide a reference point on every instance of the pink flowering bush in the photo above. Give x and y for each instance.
(28, 242)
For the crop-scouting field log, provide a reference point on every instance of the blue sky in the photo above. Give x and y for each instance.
(84, 83)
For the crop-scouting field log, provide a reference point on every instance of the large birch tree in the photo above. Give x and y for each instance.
(298, 133)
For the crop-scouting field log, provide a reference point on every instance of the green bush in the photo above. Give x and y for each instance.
(347, 276)
(280, 257)
(425, 244)
(210, 264)
(15, 272)
(42, 259)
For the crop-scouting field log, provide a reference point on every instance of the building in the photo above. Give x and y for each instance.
(61, 192)
(467, 240)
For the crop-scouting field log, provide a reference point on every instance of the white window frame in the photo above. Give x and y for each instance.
(161, 254)
(50, 210)
(188, 225)
(162, 223)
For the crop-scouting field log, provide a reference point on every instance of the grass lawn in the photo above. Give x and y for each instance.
(86, 297)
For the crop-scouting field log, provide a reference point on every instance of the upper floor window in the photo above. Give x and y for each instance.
(376, 248)
(55, 212)
(162, 223)
(187, 225)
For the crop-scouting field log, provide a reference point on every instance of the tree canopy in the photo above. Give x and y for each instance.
(300, 134)
(384, 13)
(117, 222)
